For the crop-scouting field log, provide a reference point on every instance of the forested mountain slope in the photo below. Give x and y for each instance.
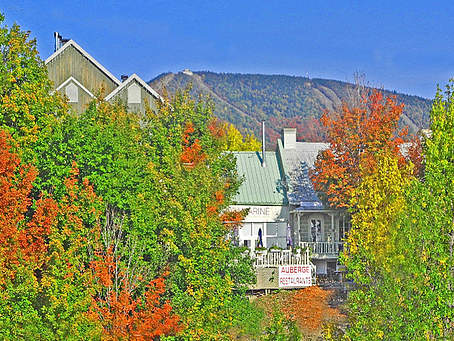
(246, 99)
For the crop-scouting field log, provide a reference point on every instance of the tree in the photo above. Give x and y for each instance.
(125, 304)
(428, 225)
(108, 145)
(45, 289)
(355, 133)
(27, 107)
(235, 141)
(372, 255)
(205, 267)
(400, 248)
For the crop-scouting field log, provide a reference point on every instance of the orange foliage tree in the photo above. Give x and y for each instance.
(415, 155)
(192, 149)
(355, 133)
(22, 240)
(309, 308)
(126, 315)
(127, 304)
(42, 282)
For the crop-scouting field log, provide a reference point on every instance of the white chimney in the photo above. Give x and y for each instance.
(57, 38)
(289, 138)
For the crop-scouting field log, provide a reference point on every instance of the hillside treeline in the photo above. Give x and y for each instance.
(247, 99)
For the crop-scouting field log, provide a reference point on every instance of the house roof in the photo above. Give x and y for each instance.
(86, 55)
(130, 79)
(261, 185)
(296, 164)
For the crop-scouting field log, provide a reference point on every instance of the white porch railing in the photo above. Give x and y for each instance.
(323, 248)
(266, 259)
(275, 258)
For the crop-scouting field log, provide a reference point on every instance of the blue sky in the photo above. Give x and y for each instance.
(403, 45)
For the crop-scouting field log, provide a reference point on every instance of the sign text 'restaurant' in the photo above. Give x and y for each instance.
(293, 276)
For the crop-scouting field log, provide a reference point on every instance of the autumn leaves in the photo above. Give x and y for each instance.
(401, 212)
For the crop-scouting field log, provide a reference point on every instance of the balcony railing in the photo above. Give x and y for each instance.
(320, 249)
(275, 258)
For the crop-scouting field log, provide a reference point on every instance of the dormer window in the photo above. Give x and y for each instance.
(134, 94)
(72, 92)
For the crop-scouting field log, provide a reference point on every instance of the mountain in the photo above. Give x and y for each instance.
(283, 101)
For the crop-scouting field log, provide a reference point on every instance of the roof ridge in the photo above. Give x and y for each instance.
(134, 76)
(86, 55)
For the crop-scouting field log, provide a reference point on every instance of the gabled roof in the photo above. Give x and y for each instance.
(130, 79)
(86, 55)
(261, 185)
(71, 78)
(296, 163)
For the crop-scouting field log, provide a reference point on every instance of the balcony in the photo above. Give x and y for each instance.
(323, 249)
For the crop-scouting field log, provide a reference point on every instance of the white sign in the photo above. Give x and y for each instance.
(293, 276)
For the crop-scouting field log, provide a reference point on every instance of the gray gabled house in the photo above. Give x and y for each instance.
(314, 225)
(80, 77)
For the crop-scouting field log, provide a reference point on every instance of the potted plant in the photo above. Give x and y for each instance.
(297, 249)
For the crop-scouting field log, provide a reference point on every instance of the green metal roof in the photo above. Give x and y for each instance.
(261, 185)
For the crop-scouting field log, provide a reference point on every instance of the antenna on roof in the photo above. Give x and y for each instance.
(263, 144)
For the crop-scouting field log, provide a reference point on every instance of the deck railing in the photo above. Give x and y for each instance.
(275, 258)
(323, 248)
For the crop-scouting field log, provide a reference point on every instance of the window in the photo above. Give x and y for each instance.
(316, 230)
(134, 94)
(271, 229)
(72, 92)
(344, 227)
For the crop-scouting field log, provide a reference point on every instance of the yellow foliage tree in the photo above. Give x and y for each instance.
(378, 200)
(371, 255)
(235, 141)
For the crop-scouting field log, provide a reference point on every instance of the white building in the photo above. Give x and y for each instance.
(263, 194)
(283, 206)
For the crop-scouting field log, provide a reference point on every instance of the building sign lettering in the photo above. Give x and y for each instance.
(257, 210)
(293, 276)
(263, 214)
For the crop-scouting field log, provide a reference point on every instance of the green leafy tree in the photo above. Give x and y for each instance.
(198, 181)
(107, 143)
(428, 225)
(45, 283)
(27, 107)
